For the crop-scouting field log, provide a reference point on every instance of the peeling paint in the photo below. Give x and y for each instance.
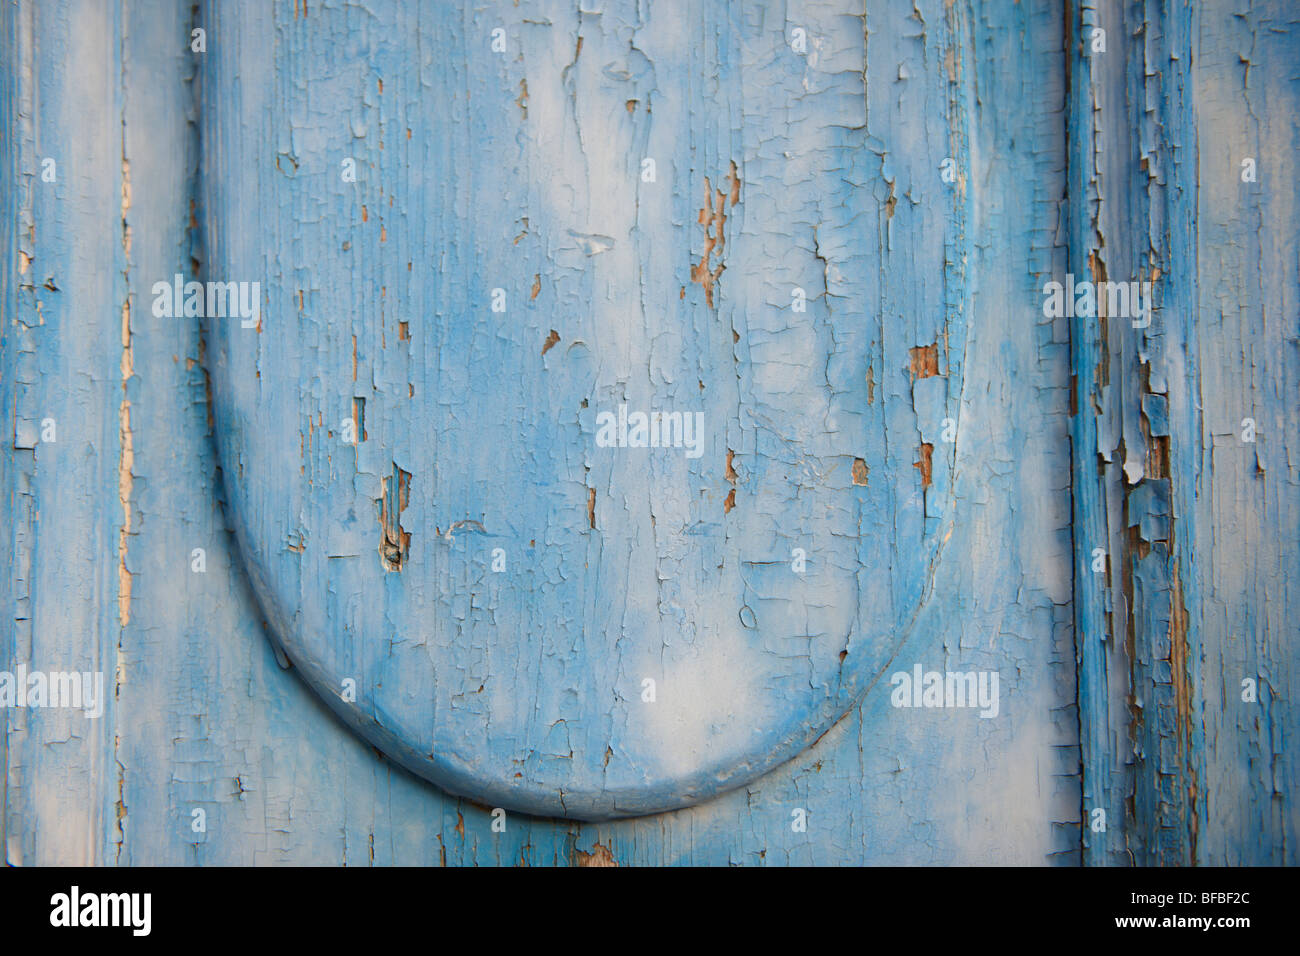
(840, 153)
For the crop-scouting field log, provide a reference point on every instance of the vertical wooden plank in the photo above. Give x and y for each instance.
(1102, 662)
(1246, 495)
(65, 371)
(1191, 601)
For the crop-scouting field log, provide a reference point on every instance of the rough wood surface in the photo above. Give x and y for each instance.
(473, 430)
(1058, 159)
(1182, 153)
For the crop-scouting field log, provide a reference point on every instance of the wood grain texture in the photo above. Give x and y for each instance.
(64, 299)
(103, 523)
(521, 170)
(1200, 526)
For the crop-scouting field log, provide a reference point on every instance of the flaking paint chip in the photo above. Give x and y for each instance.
(925, 361)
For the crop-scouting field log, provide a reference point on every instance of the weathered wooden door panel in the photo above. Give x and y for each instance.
(924, 303)
(518, 234)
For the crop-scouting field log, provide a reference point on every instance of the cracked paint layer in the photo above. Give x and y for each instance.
(1189, 605)
(205, 718)
(590, 570)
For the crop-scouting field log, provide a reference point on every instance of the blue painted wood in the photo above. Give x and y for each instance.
(1183, 474)
(434, 434)
(103, 523)
(65, 369)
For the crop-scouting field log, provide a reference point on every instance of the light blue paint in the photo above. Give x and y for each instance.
(203, 717)
(524, 689)
(1201, 532)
